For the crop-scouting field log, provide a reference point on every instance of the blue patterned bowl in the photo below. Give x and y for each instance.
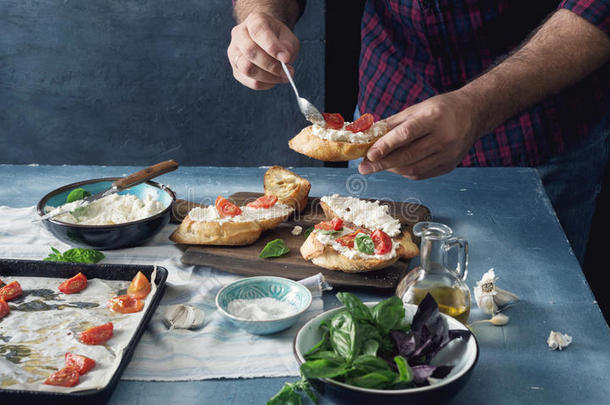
(286, 291)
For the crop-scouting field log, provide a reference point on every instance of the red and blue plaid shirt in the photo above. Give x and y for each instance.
(415, 49)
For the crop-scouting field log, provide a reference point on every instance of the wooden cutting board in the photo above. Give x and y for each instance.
(244, 260)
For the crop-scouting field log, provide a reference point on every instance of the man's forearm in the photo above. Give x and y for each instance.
(287, 11)
(564, 50)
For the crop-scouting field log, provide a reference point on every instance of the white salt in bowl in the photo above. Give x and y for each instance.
(294, 296)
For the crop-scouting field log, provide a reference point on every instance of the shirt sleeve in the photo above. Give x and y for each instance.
(597, 12)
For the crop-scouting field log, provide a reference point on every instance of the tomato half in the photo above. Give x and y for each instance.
(125, 304)
(97, 334)
(66, 377)
(361, 124)
(382, 242)
(81, 363)
(226, 208)
(73, 285)
(266, 201)
(4, 309)
(335, 224)
(333, 120)
(139, 287)
(10, 291)
(348, 240)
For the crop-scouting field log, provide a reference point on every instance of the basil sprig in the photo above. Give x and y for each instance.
(77, 194)
(364, 243)
(75, 255)
(275, 248)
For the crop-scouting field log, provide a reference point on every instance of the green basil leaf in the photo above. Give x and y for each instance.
(323, 368)
(322, 345)
(405, 374)
(364, 243)
(377, 379)
(368, 364)
(275, 248)
(80, 255)
(331, 232)
(370, 347)
(77, 194)
(344, 337)
(327, 355)
(388, 313)
(286, 396)
(308, 231)
(359, 311)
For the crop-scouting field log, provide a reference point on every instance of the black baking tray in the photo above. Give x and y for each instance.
(32, 268)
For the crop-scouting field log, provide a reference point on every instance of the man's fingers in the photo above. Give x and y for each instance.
(403, 134)
(257, 64)
(266, 33)
(250, 82)
(423, 169)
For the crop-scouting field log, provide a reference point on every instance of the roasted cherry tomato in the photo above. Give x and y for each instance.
(361, 124)
(348, 240)
(226, 208)
(139, 287)
(66, 377)
(4, 309)
(79, 362)
(97, 334)
(10, 291)
(333, 120)
(335, 224)
(382, 242)
(73, 285)
(125, 304)
(266, 201)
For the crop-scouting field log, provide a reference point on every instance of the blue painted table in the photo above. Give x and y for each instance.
(511, 226)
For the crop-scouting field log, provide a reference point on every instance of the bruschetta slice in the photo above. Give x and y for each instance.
(225, 223)
(289, 188)
(338, 141)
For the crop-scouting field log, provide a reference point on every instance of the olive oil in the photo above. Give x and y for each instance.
(451, 301)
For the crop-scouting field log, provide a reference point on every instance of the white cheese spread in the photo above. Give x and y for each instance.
(368, 214)
(249, 214)
(376, 130)
(351, 253)
(110, 210)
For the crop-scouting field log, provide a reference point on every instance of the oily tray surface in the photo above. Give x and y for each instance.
(244, 260)
(51, 273)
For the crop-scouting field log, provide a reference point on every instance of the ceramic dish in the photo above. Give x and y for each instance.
(105, 237)
(286, 291)
(463, 355)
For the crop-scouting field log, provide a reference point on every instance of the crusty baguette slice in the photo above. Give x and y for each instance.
(289, 188)
(308, 144)
(327, 257)
(409, 248)
(216, 233)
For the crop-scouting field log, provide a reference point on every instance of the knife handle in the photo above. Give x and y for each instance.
(145, 174)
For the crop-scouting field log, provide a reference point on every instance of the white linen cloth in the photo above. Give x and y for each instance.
(217, 350)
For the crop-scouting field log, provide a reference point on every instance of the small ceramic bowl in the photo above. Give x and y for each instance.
(104, 237)
(463, 355)
(282, 289)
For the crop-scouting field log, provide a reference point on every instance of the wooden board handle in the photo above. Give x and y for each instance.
(145, 174)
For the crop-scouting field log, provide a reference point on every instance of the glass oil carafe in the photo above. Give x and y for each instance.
(434, 276)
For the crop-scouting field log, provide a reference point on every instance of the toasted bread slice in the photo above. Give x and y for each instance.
(216, 233)
(327, 257)
(289, 188)
(307, 143)
(408, 249)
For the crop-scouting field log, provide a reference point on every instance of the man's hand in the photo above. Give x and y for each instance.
(425, 140)
(257, 45)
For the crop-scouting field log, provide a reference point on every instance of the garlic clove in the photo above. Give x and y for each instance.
(504, 297)
(184, 317)
(499, 320)
(558, 340)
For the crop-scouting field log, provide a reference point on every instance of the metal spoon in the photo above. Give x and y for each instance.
(310, 112)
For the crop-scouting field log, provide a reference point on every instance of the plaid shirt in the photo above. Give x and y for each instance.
(415, 49)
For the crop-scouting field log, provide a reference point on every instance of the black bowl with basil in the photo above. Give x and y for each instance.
(458, 357)
(105, 237)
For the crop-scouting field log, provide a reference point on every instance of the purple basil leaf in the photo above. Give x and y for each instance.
(459, 333)
(422, 372)
(404, 342)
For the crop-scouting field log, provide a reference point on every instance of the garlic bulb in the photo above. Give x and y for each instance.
(183, 317)
(489, 297)
(558, 340)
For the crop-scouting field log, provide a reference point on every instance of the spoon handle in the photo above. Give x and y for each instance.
(145, 174)
(290, 79)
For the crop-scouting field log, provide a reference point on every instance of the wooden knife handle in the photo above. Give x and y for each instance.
(145, 174)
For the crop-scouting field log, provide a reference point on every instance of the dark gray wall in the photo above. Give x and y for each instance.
(118, 82)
